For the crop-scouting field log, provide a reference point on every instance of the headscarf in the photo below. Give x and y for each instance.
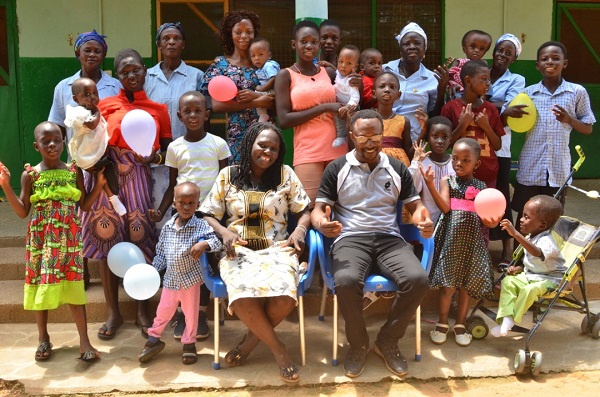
(412, 27)
(88, 36)
(513, 39)
(169, 25)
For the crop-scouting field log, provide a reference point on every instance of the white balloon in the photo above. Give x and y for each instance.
(141, 281)
(122, 256)
(139, 131)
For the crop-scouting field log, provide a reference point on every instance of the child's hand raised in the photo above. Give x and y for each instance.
(466, 115)
(428, 174)
(561, 114)
(4, 175)
(482, 119)
(421, 117)
(507, 225)
(420, 153)
(443, 76)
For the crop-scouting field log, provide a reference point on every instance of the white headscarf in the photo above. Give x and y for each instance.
(513, 39)
(412, 27)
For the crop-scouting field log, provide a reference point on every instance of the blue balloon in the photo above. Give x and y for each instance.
(123, 256)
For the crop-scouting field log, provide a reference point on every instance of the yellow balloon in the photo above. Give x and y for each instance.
(525, 123)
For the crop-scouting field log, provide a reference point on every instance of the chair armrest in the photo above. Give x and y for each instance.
(213, 282)
(307, 278)
(411, 233)
(323, 244)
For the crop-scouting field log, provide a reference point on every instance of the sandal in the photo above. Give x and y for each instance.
(235, 358)
(107, 332)
(439, 337)
(463, 339)
(287, 374)
(189, 354)
(89, 356)
(44, 351)
(143, 328)
(150, 350)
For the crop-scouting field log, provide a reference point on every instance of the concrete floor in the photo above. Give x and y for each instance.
(559, 338)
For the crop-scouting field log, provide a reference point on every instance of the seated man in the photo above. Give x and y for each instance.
(363, 188)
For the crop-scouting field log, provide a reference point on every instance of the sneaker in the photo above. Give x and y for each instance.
(355, 361)
(203, 332)
(178, 324)
(393, 359)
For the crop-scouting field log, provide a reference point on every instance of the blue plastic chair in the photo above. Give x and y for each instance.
(219, 291)
(374, 282)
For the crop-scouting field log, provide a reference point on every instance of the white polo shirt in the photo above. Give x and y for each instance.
(366, 201)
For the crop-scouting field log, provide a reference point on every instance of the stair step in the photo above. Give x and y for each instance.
(12, 264)
(11, 307)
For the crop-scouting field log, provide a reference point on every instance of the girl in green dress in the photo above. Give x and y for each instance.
(54, 266)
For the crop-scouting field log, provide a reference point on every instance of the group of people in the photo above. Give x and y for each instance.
(234, 198)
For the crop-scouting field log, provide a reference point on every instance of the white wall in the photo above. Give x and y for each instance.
(126, 23)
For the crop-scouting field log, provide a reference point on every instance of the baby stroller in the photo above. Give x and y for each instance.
(575, 240)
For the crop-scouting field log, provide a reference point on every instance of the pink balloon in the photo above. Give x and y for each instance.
(222, 88)
(490, 204)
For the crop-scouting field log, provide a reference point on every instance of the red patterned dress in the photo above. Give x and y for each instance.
(54, 266)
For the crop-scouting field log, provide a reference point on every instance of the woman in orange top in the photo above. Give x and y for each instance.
(102, 226)
(306, 101)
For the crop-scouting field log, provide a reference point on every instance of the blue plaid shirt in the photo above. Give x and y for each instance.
(545, 155)
(173, 252)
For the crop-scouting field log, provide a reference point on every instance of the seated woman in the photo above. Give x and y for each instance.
(260, 266)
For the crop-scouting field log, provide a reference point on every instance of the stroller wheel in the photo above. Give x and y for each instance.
(478, 328)
(520, 361)
(585, 325)
(536, 363)
(596, 330)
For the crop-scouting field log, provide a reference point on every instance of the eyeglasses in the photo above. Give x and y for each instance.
(363, 139)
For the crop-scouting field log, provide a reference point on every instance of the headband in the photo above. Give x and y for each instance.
(89, 36)
(513, 39)
(169, 25)
(412, 28)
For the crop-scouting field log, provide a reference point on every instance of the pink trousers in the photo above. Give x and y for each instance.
(169, 300)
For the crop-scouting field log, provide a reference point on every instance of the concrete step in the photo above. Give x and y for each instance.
(11, 306)
(12, 264)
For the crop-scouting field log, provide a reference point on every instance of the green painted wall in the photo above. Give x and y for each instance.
(47, 57)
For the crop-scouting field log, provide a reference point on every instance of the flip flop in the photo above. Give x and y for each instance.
(108, 332)
(43, 348)
(189, 354)
(150, 350)
(143, 328)
(89, 356)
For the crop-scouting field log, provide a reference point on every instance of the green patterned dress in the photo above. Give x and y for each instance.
(54, 266)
